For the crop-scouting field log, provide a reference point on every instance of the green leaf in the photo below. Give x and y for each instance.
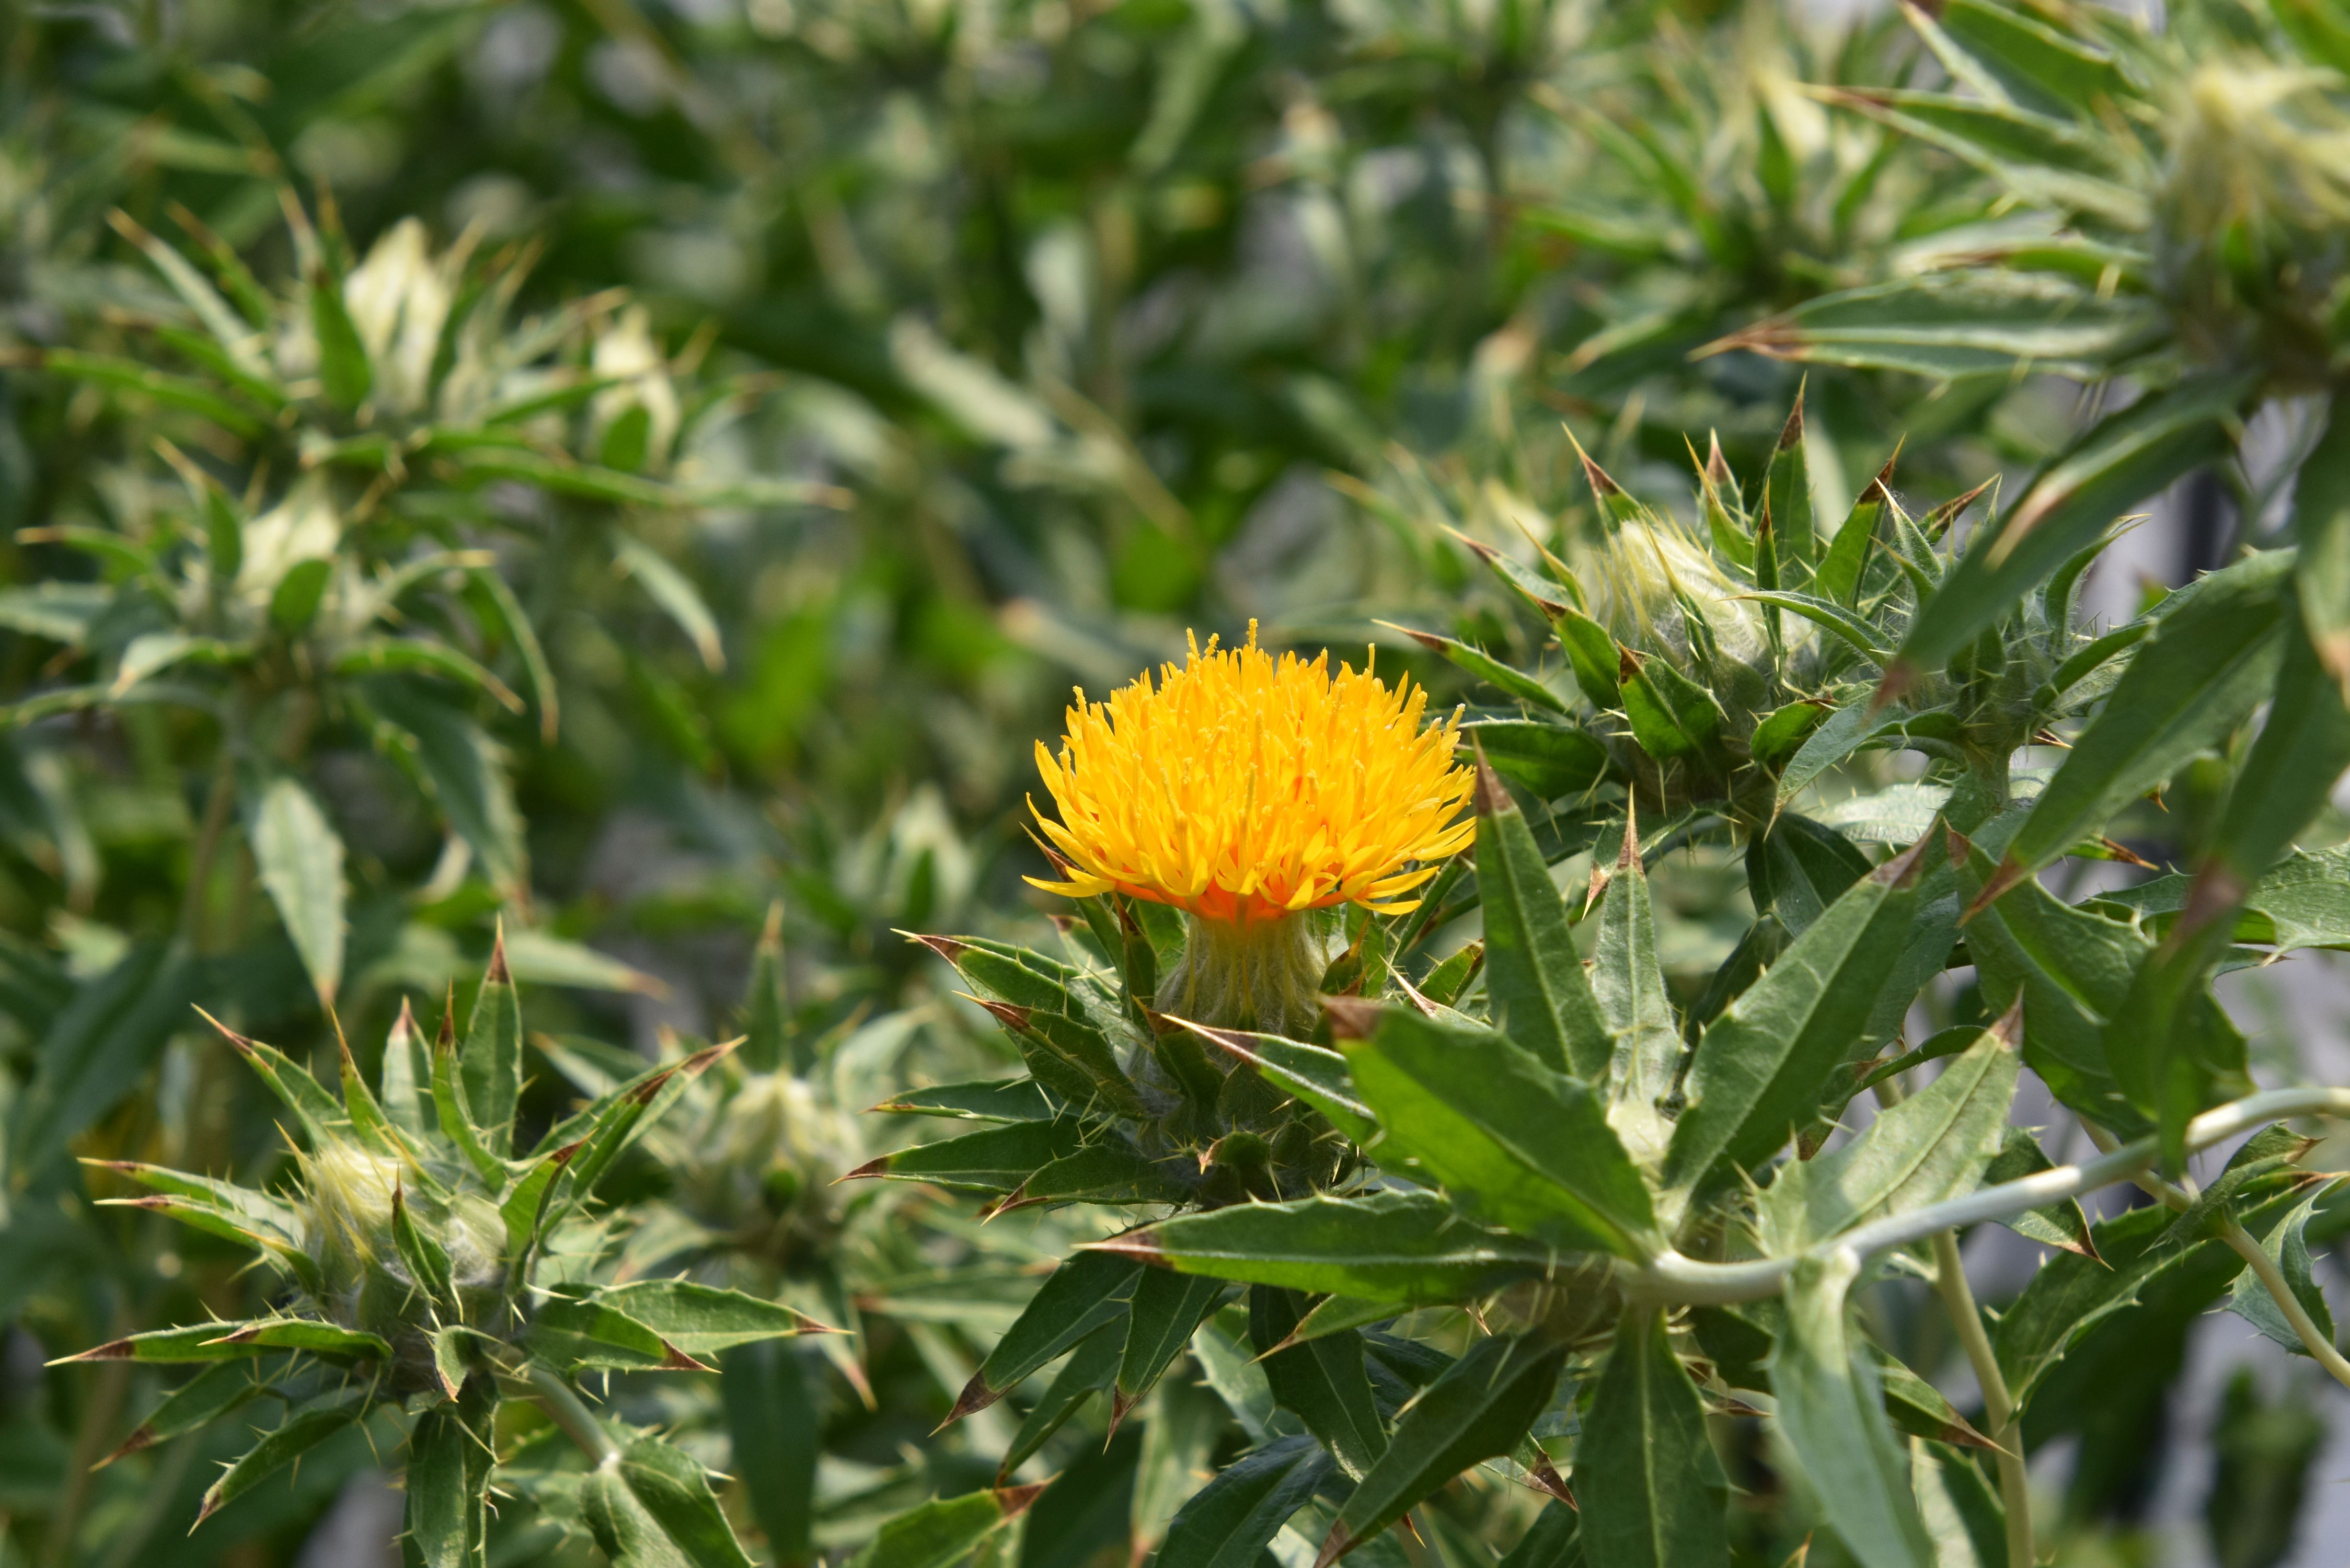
(1553, 1540)
(1090, 1369)
(1672, 716)
(1082, 1064)
(343, 366)
(1476, 1411)
(2110, 467)
(1536, 988)
(211, 1393)
(1548, 760)
(1933, 1146)
(172, 391)
(992, 1100)
(703, 1320)
(1847, 556)
(655, 1510)
(2300, 756)
(2202, 673)
(2321, 503)
(675, 592)
(944, 1532)
(2303, 903)
(769, 1041)
(450, 1455)
(426, 1260)
(2071, 1296)
(1759, 1068)
(1783, 730)
(1979, 321)
(2042, 160)
(1229, 1522)
(996, 1161)
(1524, 688)
(569, 1333)
(417, 656)
(299, 857)
(1393, 1246)
(1628, 984)
(1787, 500)
(467, 773)
(457, 1122)
(293, 602)
(2035, 63)
(2285, 1240)
(1591, 653)
(1850, 627)
(1832, 1413)
(1321, 1381)
(491, 1059)
(774, 1431)
(60, 612)
(2059, 1224)
(515, 621)
(1525, 1148)
(404, 1086)
(1313, 1074)
(295, 1435)
(2072, 969)
(1083, 1294)
(1799, 867)
(1166, 1308)
(1961, 1512)
(1652, 1492)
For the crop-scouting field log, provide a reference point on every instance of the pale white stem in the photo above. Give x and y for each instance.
(1673, 1278)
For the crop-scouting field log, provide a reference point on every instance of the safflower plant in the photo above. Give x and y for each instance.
(429, 1271)
(1631, 1187)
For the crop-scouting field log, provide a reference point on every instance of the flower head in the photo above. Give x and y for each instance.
(1244, 788)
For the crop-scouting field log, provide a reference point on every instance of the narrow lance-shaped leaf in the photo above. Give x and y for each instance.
(1933, 1146)
(1476, 1411)
(493, 1054)
(1521, 1145)
(295, 1435)
(1229, 1522)
(1165, 1309)
(1759, 1069)
(703, 1320)
(1322, 1380)
(1082, 1295)
(1393, 1246)
(298, 857)
(1652, 1492)
(655, 1509)
(449, 1454)
(2322, 524)
(1539, 994)
(1629, 985)
(2202, 673)
(1787, 501)
(2112, 466)
(211, 1393)
(944, 1532)
(1831, 1410)
(772, 1425)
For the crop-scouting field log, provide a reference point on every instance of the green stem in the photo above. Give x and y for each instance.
(567, 1410)
(1999, 1405)
(2313, 1339)
(217, 801)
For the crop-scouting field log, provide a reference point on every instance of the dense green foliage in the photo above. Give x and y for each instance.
(596, 504)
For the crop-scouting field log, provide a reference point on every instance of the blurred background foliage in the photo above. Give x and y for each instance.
(902, 363)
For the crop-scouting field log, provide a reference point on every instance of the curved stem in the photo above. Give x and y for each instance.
(567, 1410)
(1670, 1277)
(1999, 1405)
